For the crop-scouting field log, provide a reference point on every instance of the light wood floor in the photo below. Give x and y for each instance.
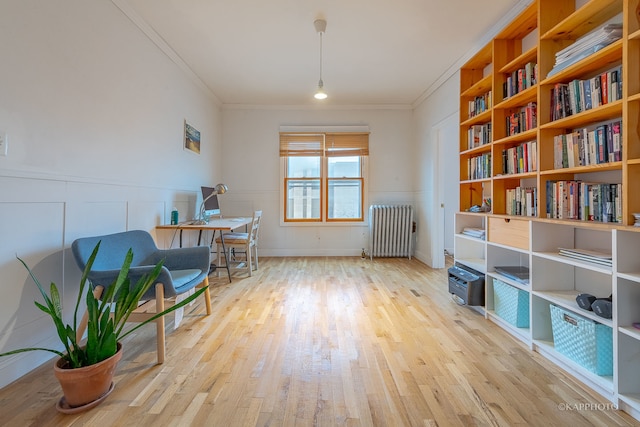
(326, 342)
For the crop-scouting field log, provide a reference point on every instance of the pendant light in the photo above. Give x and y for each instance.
(321, 26)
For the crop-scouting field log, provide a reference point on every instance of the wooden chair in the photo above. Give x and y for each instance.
(183, 270)
(247, 242)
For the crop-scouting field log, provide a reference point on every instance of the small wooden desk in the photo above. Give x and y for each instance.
(214, 224)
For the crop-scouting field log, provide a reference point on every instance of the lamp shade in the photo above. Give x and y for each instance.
(221, 188)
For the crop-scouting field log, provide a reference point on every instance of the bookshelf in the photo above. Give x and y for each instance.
(525, 161)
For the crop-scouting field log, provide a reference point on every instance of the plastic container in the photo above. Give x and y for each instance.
(174, 216)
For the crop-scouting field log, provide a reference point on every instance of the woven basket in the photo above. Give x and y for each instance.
(511, 304)
(585, 341)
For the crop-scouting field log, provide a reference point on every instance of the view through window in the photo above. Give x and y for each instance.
(324, 176)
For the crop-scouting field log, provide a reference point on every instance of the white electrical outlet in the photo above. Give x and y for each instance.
(4, 143)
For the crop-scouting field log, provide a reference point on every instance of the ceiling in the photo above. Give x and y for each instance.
(267, 52)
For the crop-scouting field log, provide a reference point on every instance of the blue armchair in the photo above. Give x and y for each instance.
(183, 270)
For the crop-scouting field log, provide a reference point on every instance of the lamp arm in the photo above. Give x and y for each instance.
(201, 218)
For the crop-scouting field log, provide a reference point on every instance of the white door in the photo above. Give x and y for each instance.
(447, 173)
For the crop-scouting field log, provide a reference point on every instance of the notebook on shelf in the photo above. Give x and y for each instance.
(515, 272)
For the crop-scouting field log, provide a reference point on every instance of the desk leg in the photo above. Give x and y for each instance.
(226, 258)
(181, 237)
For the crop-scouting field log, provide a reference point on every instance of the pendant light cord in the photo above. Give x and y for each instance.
(321, 56)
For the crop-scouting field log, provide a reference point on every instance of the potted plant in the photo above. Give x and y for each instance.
(105, 330)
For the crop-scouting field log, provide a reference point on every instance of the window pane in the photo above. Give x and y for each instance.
(303, 199)
(344, 167)
(303, 167)
(344, 199)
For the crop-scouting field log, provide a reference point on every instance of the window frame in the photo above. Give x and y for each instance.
(329, 149)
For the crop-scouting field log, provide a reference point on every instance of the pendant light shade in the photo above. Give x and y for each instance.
(321, 26)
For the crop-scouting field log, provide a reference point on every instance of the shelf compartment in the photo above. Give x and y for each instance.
(554, 256)
(476, 150)
(526, 22)
(585, 341)
(524, 175)
(520, 61)
(479, 88)
(525, 136)
(585, 19)
(610, 166)
(567, 300)
(471, 194)
(474, 70)
(505, 279)
(628, 301)
(629, 369)
(477, 264)
(627, 243)
(606, 57)
(549, 236)
(634, 277)
(631, 119)
(543, 343)
(519, 99)
(502, 255)
(630, 331)
(635, 35)
(481, 118)
(604, 112)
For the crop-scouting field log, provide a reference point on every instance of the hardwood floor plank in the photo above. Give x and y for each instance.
(325, 342)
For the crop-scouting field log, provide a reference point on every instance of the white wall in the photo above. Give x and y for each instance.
(94, 114)
(436, 108)
(251, 168)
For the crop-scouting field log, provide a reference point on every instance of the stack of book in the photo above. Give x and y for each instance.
(522, 201)
(522, 120)
(584, 201)
(520, 159)
(480, 104)
(479, 135)
(588, 146)
(478, 233)
(589, 255)
(479, 167)
(520, 80)
(586, 45)
(636, 216)
(582, 95)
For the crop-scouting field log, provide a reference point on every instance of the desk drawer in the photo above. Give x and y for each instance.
(509, 232)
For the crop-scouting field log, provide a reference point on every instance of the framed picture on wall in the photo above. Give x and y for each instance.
(191, 138)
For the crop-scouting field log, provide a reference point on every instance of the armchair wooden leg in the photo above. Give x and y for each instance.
(97, 293)
(160, 321)
(207, 295)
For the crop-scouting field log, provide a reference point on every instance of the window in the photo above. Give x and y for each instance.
(324, 176)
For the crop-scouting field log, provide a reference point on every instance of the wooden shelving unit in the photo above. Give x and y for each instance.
(542, 29)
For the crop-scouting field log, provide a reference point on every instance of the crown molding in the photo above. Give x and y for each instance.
(147, 30)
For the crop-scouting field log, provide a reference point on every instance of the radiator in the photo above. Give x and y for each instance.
(390, 229)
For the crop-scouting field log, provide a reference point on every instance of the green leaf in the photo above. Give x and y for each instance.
(83, 281)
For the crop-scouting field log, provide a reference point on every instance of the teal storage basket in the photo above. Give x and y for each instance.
(585, 341)
(511, 304)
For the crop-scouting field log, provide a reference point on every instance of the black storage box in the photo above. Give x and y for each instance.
(467, 284)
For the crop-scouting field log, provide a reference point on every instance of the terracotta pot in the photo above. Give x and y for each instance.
(81, 386)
